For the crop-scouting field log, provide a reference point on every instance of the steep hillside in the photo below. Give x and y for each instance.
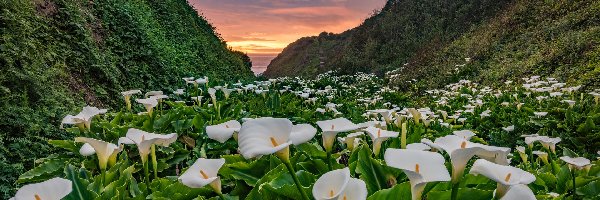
(57, 55)
(403, 29)
(549, 38)
(429, 41)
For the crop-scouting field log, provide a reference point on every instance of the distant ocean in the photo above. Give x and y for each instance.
(260, 62)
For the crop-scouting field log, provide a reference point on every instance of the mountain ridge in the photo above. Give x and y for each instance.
(427, 40)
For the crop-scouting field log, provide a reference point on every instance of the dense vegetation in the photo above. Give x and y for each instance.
(348, 137)
(424, 39)
(57, 55)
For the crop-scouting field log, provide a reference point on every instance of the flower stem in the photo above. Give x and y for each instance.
(154, 162)
(221, 195)
(290, 168)
(329, 160)
(574, 187)
(146, 173)
(454, 191)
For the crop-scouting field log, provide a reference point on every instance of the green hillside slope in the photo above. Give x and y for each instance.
(426, 40)
(55, 55)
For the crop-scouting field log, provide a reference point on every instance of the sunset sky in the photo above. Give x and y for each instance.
(262, 28)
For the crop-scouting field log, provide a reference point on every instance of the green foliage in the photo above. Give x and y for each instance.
(425, 43)
(55, 53)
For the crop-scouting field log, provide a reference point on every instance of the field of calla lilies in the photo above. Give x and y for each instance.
(334, 137)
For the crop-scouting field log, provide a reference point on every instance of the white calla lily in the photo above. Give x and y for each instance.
(84, 118)
(104, 150)
(355, 190)
(418, 146)
(52, 189)
(378, 136)
(302, 133)
(149, 104)
(519, 192)
(505, 176)
(222, 132)
(87, 150)
(351, 139)
(127, 95)
(145, 140)
(465, 134)
(265, 136)
(421, 167)
(203, 172)
(577, 163)
(331, 184)
(331, 127)
(461, 151)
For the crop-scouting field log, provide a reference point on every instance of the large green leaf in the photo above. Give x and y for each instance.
(257, 192)
(248, 172)
(463, 193)
(400, 191)
(376, 175)
(591, 189)
(284, 185)
(80, 184)
(68, 145)
(49, 168)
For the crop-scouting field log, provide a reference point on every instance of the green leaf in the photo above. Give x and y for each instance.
(80, 191)
(51, 167)
(400, 191)
(69, 145)
(463, 193)
(248, 172)
(284, 185)
(376, 175)
(591, 189)
(256, 193)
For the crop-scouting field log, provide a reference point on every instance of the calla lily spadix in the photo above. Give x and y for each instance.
(421, 167)
(378, 136)
(127, 95)
(145, 140)
(505, 176)
(331, 127)
(52, 189)
(265, 136)
(149, 104)
(104, 150)
(222, 132)
(203, 172)
(519, 192)
(84, 118)
(331, 184)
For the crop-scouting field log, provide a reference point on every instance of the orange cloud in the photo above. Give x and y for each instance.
(265, 27)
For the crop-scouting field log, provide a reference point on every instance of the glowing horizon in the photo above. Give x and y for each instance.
(265, 27)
